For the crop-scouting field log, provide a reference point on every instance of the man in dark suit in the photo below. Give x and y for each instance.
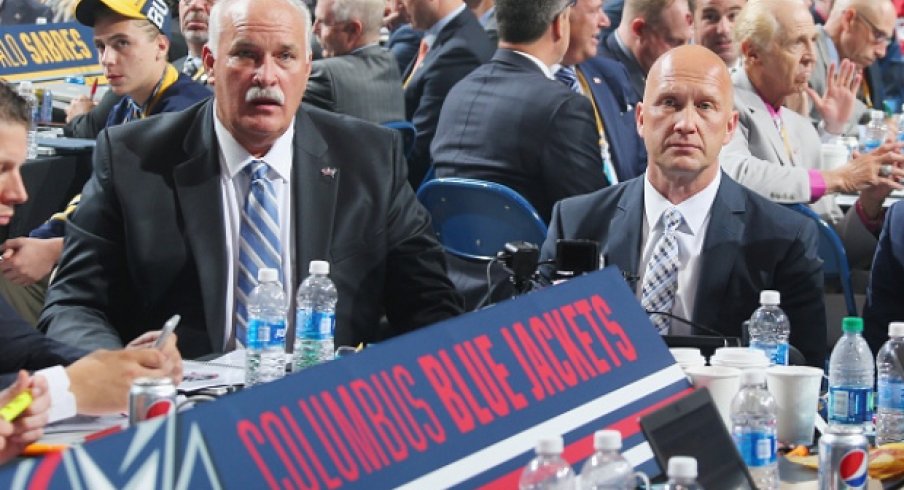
(23, 12)
(883, 296)
(648, 28)
(605, 82)
(170, 230)
(356, 76)
(694, 243)
(454, 44)
(510, 122)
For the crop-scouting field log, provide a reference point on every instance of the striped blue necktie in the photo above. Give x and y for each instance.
(259, 245)
(567, 76)
(660, 282)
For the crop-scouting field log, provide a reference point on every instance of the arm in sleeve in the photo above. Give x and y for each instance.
(319, 92)
(883, 296)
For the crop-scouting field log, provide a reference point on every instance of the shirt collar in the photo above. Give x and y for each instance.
(830, 47)
(694, 210)
(548, 72)
(361, 48)
(236, 157)
(487, 16)
(434, 30)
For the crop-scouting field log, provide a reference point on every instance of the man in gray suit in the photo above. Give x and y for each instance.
(857, 30)
(776, 151)
(193, 18)
(356, 76)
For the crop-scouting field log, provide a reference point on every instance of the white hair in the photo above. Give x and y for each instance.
(219, 10)
(369, 12)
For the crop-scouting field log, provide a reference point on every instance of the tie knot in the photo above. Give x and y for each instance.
(566, 75)
(257, 169)
(672, 219)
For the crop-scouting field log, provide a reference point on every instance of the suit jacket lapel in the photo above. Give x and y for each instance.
(761, 117)
(197, 187)
(721, 247)
(625, 227)
(315, 185)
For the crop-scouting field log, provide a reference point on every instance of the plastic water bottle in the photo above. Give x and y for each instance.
(607, 469)
(890, 407)
(265, 346)
(851, 377)
(769, 328)
(900, 121)
(27, 92)
(548, 471)
(315, 317)
(875, 131)
(753, 419)
(682, 474)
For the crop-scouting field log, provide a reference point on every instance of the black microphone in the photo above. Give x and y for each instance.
(725, 339)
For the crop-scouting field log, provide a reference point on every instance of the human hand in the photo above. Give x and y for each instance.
(101, 380)
(837, 103)
(148, 339)
(876, 172)
(28, 260)
(29, 426)
(78, 106)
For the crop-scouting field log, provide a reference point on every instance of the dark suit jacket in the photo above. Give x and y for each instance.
(148, 240)
(90, 124)
(609, 48)
(460, 47)
(886, 285)
(507, 123)
(615, 101)
(23, 12)
(23, 347)
(403, 43)
(751, 244)
(365, 84)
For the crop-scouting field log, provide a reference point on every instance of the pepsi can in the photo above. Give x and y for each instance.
(843, 459)
(151, 397)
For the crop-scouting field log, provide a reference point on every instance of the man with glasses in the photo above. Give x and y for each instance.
(356, 75)
(858, 30)
(648, 29)
(193, 17)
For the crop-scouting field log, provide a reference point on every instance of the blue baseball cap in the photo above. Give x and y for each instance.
(156, 12)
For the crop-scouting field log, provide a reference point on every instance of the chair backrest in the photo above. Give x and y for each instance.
(834, 259)
(408, 132)
(474, 219)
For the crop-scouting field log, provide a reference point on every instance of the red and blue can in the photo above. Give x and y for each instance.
(843, 459)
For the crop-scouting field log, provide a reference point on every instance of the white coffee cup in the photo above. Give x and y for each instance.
(723, 384)
(687, 356)
(739, 357)
(833, 156)
(796, 393)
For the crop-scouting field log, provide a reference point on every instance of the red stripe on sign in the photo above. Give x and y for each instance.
(43, 474)
(581, 449)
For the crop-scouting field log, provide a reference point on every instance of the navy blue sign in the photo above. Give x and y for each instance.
(459, 404)
(36, 51)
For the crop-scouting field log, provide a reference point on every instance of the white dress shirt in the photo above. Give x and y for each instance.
(234, 184)
(691, 235)
(550, 72)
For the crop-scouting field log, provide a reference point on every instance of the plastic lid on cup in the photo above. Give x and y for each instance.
(550, 445)
(896, 329)
(320, 267)
(739, 357)
(852, 324)
(684, 467)
(769, 297)
(267, 275)
(607, 440)
(753, 377)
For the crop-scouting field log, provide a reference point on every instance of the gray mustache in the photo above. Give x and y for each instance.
(267, 93)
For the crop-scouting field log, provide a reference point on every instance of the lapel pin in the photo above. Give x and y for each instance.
(328, 172)
(597, 80)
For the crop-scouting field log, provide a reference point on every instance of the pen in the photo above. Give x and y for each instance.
(16, 406)
(93, 89)
(40, 449)
(168, 328)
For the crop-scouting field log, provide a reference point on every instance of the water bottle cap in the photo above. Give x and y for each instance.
(770, 297)
(607, 440)
(321, 267)
(682, 467)
(852, 324)
(896, 329)
(550, 445)
(267, 275)
(753, 377)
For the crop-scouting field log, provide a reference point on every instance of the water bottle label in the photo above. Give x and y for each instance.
(870, 145)
(850, 405)
(776, 353)
(316, 325)
(262, 333)
(757, 448)
(891, 395)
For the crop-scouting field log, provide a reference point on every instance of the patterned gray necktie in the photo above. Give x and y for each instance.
(661, 279)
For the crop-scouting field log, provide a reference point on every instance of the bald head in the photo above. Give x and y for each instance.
(861, 29)
(687, 115)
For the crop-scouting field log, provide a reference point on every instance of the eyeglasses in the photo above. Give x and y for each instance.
(879, 37)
